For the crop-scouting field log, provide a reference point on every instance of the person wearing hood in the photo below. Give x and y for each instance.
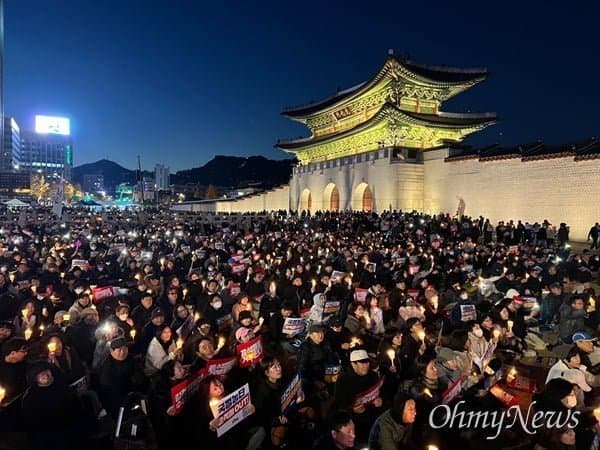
(53, 411)
(394, 428)
(478, 344)
(557, 396)
(317, 309)
(162, 348)
(214, 310)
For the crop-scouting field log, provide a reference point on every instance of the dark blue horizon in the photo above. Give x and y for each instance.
(178, 82)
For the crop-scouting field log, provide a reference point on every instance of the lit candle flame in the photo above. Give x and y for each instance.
(427, 392)
(132, 333)
(25, 312)
(179, 343)
(28, 333)
(52, 347)
(391, 354)
(2, 393)
(496, 334)
(222, 341)
(66, 317)
(421, 335)
(509, 324)
(196, 316)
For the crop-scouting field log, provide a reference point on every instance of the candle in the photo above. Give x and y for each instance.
(41, 329)
(432, 447)
(314, 283)
(28, 333)
(132, 334)
(25, 312)
(51, 347)
(427, 392)
(510, 324)
(512, 374)
(203, 284)
(261, 320)
(196, 316)
(597, 413)
(11, 276)
(391, 354)
(185, 291)
(496, 334)
(222, 341)
(66, 317)
(421, 335)
(2, 393)
(179, 343)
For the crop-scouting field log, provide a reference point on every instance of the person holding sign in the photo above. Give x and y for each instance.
(205, 430)
(266, 397)
(357, 390)
(162, 348)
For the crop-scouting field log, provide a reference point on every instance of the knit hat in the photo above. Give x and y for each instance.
(118, 343)
(157, 312)
(445, 354)
(244, 315)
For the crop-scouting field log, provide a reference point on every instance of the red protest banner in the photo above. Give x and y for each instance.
(360, 295)
(182, 392)
(237, 268)
(250, 353)
(235, 289)
(220, 366)
(368, 396)
(102, 293)
(452, 392)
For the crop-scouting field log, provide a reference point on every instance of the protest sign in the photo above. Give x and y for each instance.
(368, 396)
(293, 326)
(360, 295)
(237, 268)
(232, 409)
(413, 269)
(102, 293)
(235, 289)
(220, 366)
(82, 263)
(290, 395)
(250, 353)
(452, 392)
(331, 307)
(468, 313)
(182, 392)
(487, 356)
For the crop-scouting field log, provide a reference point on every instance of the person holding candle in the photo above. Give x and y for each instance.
(82, 302)
(116, 376)
(64, 358)
(162, 348)
(412, 346)
(54, 413)
(27, 318)
(13, 368)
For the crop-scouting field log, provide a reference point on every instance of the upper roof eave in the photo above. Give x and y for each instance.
(438, 75)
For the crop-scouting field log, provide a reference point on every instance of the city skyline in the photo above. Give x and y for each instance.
(144, 79)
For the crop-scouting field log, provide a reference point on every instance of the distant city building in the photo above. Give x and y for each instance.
(15, 184)
(48, 150)
(10, 156)
(93, 183)
(161, 177)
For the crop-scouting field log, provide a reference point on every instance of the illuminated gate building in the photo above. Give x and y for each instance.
(368, 143)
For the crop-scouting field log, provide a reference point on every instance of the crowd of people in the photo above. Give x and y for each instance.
(325, 331)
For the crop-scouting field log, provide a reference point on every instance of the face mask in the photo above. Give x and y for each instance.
(478, 333)
(571, 401)
(217, 305)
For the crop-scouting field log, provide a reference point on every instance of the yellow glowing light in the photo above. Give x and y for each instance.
(179, 343)
(421, 335)
(427, 392)
(222, 341)
(2, 393)
(52, 347)
(132, 333)
(28, 333)
(391, 354)
(509, 324)
(25, 312)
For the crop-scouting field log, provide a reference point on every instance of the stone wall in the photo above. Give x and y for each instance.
(559, 190)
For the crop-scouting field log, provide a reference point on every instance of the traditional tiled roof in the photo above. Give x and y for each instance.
(535, 151)
(436, 75)
(441, 120)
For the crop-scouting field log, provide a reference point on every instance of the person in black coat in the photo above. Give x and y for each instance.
(340, 434)
(313, 356)
(81, 335)
(54, 413)
(116, 376)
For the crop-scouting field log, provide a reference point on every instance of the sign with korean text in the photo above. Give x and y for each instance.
(232, 409)
(250, 353)
(81, 263)
(290, 395)
(182, 392)
(220, 366)
(367, 397)
(452, 392)
(102, 293)
(360, 295)
(293, 326)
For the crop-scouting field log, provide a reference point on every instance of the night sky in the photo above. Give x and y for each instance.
(179, 81)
